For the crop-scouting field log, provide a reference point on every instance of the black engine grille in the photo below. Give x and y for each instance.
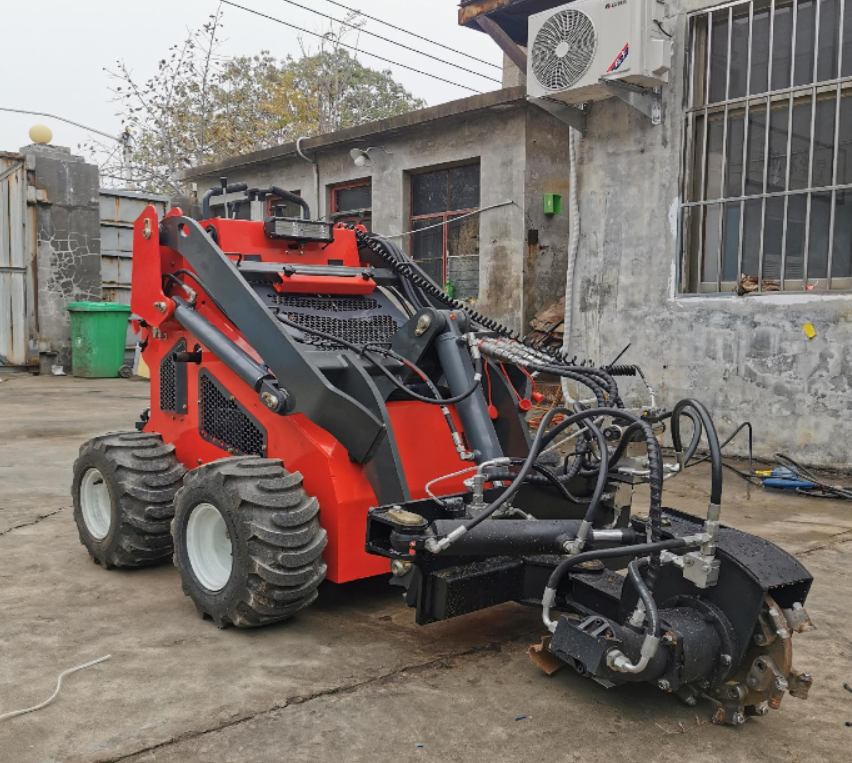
(377, 329)
(225, 423)
(326, 304)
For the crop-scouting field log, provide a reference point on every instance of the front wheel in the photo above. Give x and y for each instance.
(122, 491)
(248, 543)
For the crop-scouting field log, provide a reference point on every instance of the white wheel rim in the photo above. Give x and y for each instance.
(95, 504)
(208, 545)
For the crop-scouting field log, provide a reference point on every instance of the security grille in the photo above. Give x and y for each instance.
(326, 304)
(173, 381)
(768, 178)
(225, 423)
(563, 49)
(377, 329)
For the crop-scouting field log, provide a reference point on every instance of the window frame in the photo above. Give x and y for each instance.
(349, 215)
(699, 112)
(271, 200)
(446, 216)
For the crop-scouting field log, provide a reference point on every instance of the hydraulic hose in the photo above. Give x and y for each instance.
(651, 611)
(365, 350)
(641, 549)
(655, 458)
(712, 441)
(282, 194)
(629, 435)
(547, 476)
(436, 545)
(218, 191)
(408, 269)
(477, 377)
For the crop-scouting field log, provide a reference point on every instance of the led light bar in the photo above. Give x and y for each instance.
(296, 229)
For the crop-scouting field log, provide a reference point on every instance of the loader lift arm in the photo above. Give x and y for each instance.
(353, 411)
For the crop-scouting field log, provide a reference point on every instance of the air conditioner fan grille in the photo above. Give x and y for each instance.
(563, 49)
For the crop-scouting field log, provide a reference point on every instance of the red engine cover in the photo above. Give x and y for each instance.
(343, 491)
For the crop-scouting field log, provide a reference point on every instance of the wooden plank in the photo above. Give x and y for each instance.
(31, 239)
(17, 219)
(5, 256)
(5, 277)
(17, 207)
(506, 43)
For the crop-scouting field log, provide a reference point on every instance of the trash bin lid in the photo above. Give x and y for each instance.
(98, 307)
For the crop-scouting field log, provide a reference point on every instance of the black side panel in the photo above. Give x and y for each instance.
(226, 423)
(173, 381)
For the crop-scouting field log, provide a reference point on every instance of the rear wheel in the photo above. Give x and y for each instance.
(122, 490)
(248, 543)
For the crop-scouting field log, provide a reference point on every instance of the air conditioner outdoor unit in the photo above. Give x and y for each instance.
(572, 47)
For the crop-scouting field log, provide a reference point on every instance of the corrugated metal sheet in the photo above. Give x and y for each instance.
(119, 209)
(17, 264)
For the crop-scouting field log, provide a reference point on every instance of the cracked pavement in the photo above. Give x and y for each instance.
(353, 678)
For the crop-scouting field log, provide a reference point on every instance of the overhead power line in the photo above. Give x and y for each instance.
(63, 119)
(351, 47)
(392, 42)
(413, 34)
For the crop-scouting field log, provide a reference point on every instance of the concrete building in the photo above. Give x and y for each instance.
(667, 227)
(723, 255)
(494, 153)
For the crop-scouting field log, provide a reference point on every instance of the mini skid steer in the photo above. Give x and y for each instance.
(321, 410)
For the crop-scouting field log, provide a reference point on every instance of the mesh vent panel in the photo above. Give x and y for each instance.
(326, 304)
(167, 383)
(224, 422)
(173, 381)
(377, 329)
(563, 49)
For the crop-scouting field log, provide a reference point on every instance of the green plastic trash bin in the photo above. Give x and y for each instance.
(98, 336)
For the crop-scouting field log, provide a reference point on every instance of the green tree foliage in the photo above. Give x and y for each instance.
(201, 107)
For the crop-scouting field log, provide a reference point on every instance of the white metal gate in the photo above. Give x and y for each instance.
(17, 265)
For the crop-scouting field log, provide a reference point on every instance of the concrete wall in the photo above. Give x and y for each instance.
(496, 137)
(746, 358)
(547, 171)
(69, 247)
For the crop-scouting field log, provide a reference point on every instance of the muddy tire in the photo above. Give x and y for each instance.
(123, 490)
(248, 542)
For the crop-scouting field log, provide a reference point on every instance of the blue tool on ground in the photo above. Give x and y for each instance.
(783, 478)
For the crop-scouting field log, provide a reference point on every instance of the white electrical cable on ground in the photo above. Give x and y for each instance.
(573, 244)
(53, 696)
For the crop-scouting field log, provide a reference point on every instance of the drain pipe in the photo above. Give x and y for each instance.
(573, 245)
(316, 173)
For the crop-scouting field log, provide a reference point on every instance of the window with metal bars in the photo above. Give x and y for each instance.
(767, 196)
(448, 246)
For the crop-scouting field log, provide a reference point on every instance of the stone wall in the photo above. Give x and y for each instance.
(69, 247)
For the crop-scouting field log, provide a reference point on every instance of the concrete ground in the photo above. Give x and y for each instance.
(351, 679)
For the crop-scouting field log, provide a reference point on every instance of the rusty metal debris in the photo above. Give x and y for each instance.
(543, 658)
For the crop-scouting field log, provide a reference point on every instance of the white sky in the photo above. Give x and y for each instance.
(53, 52)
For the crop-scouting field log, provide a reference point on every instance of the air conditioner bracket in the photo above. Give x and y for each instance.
(574, 116)
(646, 100)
